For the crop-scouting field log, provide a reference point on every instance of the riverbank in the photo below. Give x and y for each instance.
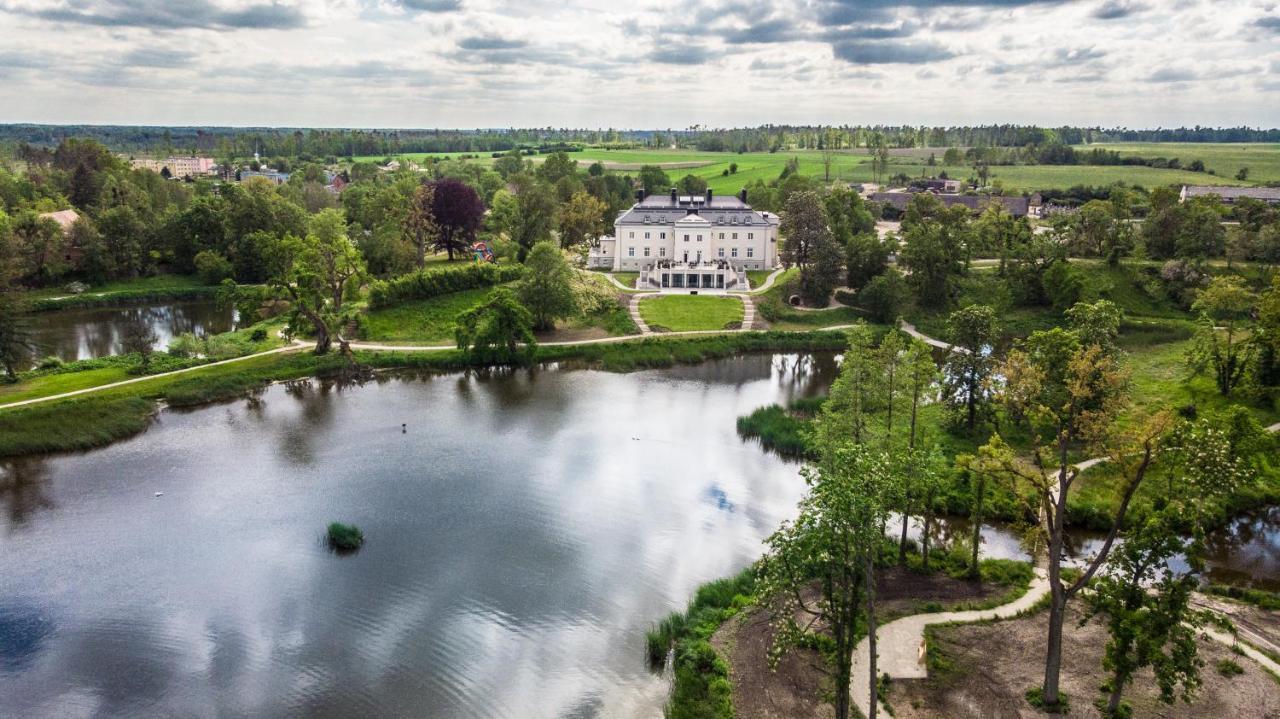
(124, 292)
(94, 417)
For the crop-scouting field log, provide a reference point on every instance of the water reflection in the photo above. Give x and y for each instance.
(519, 542)
(24, 489)
(98, 332)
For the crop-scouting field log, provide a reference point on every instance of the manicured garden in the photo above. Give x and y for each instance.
(685, 313)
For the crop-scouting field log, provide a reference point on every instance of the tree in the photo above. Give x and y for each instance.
(497, 327)
(1069, 396)
(866, 256)
(692, 185)
(934, 248)
(419, 224)
(557, 166)
(41, 247)
(810, 246)
(834, 540)
(582, 219)
(457, 212)
(998, 231)
(336, 257)
(969, 363)
(1097, 324)
(16, 345)
(1063, 285)
(1225, 304)
(527, 216)
(294, 267)
(830, 140)
(853, 395)
(654, 180)
(1148, 610)
(138, 337)
(1242, 174)
(1201, 234)
(885, 296)
(547, 287)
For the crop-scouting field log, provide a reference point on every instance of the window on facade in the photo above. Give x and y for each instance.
(646, 252)
(751, 235)
(662, 252)
(722, 235)
(699, 238)
(735, 252)
(720, 252)
(751, 251)
(631, 234)
(631, 252)
(735, 235)
(662, 235)
(646, 235)
(686, 238)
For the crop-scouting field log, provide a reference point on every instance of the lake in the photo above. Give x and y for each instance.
(77, 334)
(523, 531)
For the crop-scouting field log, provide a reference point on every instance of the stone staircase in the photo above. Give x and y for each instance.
(748, 314)
(633, 309)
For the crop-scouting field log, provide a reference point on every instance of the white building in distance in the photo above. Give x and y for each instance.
(689, 241)
(177, 166)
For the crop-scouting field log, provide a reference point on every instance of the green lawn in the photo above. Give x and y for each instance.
(59, 383)
(427, 321)
(627, 278)
(758, 277)
(683, 313)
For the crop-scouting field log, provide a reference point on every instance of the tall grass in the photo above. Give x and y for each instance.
(701, 685)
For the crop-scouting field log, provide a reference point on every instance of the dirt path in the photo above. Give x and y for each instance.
(911, 330)
(900, 643)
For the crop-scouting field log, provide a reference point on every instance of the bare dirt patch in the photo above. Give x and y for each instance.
(991, 666)
(800, 687)
(1259, 627)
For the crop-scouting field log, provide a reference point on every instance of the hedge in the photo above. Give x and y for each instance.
(425, 284)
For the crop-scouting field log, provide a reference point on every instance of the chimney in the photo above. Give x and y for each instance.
(742, 195)
(708, 197)
(674, 200)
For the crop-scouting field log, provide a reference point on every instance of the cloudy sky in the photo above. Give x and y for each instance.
(639, 63)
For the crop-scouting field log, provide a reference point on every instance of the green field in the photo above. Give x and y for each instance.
(854, 166)
(684, 313)
(1226, 159)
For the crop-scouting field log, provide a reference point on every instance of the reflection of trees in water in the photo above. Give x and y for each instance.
(24, 484)
(298, 435)
(805, 375)
(97, 332)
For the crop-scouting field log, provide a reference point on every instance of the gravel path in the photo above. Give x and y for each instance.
(900, 643)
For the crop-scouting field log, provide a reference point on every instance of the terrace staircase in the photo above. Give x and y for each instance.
(748, 313)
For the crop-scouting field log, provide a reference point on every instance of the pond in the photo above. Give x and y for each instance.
(522, 532)
(77, 334)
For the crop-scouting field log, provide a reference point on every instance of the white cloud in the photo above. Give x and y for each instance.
(646, 63)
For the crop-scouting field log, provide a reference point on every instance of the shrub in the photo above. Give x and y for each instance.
(1228, 668)
(345, 537)
(425, 284)
(1063, 284)
(212, 267)
(777, 430)
(50, 362)
(259, 334)
(185, 345)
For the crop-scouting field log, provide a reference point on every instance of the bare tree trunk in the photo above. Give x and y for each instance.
(902, 542)
(977, 523)
(928, 525)
(871, 636)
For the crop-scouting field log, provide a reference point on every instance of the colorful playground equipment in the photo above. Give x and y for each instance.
(483, 253)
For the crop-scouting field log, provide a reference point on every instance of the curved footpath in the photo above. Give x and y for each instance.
(900, 644)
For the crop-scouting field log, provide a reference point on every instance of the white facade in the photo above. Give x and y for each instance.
(668, 231)
(177, 166)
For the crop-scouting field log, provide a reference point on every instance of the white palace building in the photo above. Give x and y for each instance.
(686, 242)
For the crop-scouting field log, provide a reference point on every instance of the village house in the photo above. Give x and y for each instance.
(689, 241)
(65, 219)
(1229, 195)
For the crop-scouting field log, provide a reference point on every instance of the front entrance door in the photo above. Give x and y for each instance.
(686, 257)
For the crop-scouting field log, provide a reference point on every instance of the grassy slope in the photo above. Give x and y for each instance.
(682, 313)
(428, 321)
